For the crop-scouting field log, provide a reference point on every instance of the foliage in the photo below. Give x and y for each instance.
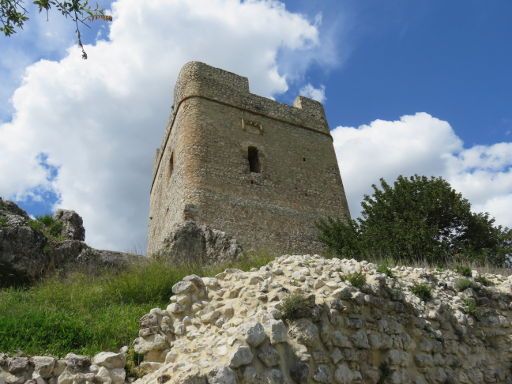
(470, 306)
(48, 226)
(417, 219)
(13, 14)
(423, 291)
(463, 284)
(463, 270)
(87, 314)
(3, 221)
(357, 279)
(297, 306)
(384, 268)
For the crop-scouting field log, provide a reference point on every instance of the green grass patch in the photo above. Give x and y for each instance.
(85, 314)
(297, 306)
(463, 284)
(357, 279)
(470, 307)
(48, 226)
(423, 291)
(463, 270)
(3, 221)
(384, 268)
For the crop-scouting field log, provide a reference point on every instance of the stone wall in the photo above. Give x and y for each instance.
(202, 170)
(375, 329)
(105, 367)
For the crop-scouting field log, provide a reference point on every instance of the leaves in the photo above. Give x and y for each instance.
(418, 219)
(13, 15)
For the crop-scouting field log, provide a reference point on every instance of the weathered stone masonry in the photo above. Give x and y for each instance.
(261, 171)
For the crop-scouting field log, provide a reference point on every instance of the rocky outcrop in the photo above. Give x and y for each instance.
(29, 250)
(306, 319)
(190, 242)
(22, 256)
(72, 228)
(105, 367)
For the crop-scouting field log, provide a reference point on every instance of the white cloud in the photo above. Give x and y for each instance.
(100, 120)
(310, 91)
(424, 145)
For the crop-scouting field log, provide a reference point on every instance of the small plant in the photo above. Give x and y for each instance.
(464, 270)
(470, 306)
(463, 284)
(49, 226)
(3, 221)
(384, 268)
(423, 291)
(484, 281)
(357, 279)
(297, 306)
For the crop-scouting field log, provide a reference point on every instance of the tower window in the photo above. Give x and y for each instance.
(254, 159)
(171, 164)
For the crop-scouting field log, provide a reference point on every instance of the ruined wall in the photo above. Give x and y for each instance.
(215, 120)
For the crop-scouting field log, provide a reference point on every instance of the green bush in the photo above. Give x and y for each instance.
(357, 279)
(87, 314)
(297, 306)
(463, 284)
(470, 307)
(423, 291)
(464, 270)
(417, 219)
(48, 226)
(384, 268)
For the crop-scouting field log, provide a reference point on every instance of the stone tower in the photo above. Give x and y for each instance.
(260, 171)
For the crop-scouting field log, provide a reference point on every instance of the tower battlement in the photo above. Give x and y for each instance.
(260, 170)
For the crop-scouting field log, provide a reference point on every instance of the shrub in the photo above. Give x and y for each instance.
(357, 279)
(470, 307)
(384, 268)
(49, 226)
(3, 221)
(297, 306)
(417, 219)
(423, 291)
(463, 284)
(464, 270)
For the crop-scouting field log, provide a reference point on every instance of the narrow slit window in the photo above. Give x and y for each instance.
(171, 164)
(254, 160)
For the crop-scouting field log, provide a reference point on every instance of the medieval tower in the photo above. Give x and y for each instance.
(261, 171)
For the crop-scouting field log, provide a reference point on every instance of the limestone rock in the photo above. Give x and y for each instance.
(190, 242)
(73, 228)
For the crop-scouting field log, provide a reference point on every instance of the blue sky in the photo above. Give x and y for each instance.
(408, 86)
(450, 58)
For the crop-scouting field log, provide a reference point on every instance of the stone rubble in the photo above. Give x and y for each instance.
(230, 329)
(105, 367)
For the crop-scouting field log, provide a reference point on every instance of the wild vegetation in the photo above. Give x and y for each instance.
(418, 219)
(85, 314)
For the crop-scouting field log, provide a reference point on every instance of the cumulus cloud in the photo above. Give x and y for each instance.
(424, 145)
(99, 121)
(310, 91)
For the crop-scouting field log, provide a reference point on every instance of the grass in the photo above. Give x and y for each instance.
(297, 306)
(463, 270)
(357, 279)
(384, 268)
(423, 291)
(463, 284)
(86, 314)
(470, 307)
(3, 221)
(48, 226)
